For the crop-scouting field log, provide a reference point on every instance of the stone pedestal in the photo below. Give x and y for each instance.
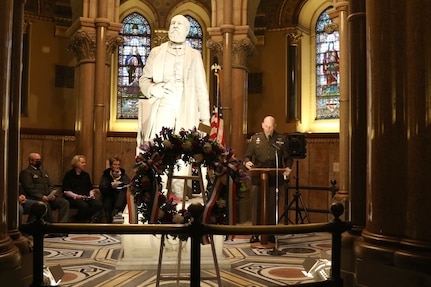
(141, 252)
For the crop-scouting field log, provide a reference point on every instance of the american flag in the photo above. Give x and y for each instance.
(217, 132)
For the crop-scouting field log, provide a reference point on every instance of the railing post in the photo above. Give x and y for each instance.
(337, 210)
(37, 230)
(196, 210)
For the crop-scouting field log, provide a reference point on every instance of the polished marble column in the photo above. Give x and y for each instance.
(357, 134)
(9, 254)
(227, 29)
(293, 83)
(396, 241)
(358, 111)
(14, 127)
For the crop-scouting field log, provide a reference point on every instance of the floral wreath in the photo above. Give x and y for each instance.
(161, 156)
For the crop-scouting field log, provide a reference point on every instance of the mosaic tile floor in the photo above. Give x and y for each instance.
(90, 260)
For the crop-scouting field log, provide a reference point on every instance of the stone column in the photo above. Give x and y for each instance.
(397, 236)
(84, 46)
(93, 41)
(231, 42)
(242, 48)
(9, 256)
(358, 115)
(14, 126)
(227, 29)
(358, 134)
(292, 76)
(339, 16)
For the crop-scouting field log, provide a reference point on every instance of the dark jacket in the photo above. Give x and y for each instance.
(35, 183)
(79, 184)
(106, 179)
(262, 152)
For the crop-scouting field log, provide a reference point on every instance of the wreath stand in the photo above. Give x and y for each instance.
(178, 277)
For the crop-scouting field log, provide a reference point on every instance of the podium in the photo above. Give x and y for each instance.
(264, 174)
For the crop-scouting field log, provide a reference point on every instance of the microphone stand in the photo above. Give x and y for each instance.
(275, 250)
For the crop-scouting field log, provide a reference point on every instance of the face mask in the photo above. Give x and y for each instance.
(37, 164)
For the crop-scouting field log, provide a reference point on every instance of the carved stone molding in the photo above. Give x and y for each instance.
(294, 38)
(331, 28)
(111, 46)
(25, 26)
(244, 47)
(241, 49)
(83, 46)
(215, 46)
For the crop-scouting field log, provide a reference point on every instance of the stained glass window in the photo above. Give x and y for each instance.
(195, 36)
(327, 70)
(132, 56)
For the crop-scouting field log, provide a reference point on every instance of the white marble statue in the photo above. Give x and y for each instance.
(174, 81)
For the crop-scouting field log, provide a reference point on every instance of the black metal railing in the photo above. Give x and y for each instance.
(195, 231)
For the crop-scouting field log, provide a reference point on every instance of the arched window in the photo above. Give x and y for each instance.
(132, 56)
(194, 39)
(327, 70)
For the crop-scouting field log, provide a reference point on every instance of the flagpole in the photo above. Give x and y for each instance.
(216, 93)
(217, 124)
(215, 67)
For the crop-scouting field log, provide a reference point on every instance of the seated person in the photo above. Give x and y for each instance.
(113, 186)
(36, 185)
(25, 208)
(79, 191)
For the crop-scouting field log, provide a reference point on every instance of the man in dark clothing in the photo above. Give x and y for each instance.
(36, 185)
(262, 152)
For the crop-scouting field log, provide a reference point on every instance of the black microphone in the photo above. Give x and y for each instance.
(276, 146)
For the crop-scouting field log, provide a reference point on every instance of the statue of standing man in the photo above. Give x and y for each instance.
(174, 81)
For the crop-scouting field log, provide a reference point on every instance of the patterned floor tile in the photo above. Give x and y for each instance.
(90, 260)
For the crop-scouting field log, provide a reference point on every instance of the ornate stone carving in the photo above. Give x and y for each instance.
(294, 38)
(241, 49)
(331, 28)
(215, 46)
(111, 46)
(25, 26)
(244, 47)
(83, 46)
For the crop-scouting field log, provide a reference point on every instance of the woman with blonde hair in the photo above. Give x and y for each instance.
(79, 190)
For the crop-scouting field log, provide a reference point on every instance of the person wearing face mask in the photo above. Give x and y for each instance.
(36, 185)
(113, 186)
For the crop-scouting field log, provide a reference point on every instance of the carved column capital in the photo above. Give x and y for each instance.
(112, 44)
(83, 46)
(331, 28)
(215, 46)
(245, 47)
(294, 38)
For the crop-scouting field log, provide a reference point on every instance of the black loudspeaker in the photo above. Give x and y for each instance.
(296, 145)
